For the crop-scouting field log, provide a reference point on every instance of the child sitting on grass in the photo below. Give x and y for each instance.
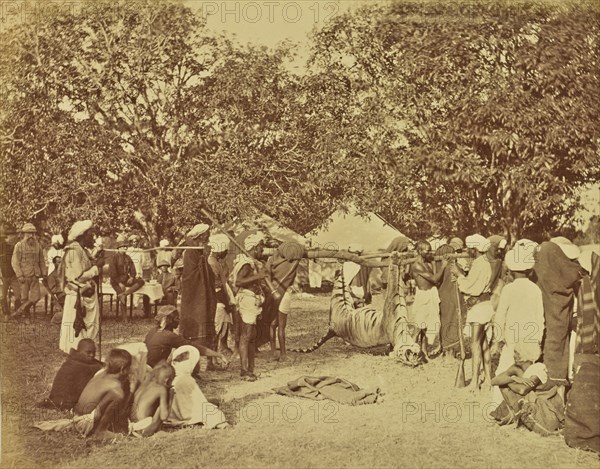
(152, 400)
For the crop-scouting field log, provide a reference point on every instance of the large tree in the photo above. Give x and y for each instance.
(496, 103)
(186, 120)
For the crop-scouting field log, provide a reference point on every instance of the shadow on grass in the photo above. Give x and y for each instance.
(232, 408)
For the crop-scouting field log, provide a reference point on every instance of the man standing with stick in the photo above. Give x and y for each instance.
(426, 306)
(81, 314)
(247, 276)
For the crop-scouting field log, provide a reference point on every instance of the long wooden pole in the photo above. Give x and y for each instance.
(368, 260)
(459, 382)
(243, 250)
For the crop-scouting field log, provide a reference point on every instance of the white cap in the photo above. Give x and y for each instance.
(163, 243)
(198, 230)
(356, 248)
(585, 260)
(79, 228)
(57, 239)
(519, 260)
(218, 243)
(252, 240)
(478, 242)
(567, 247)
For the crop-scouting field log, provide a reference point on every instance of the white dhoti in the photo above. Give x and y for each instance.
(222, 318)
(91, 320)
(481, 313)
(83, 424)
(315, 274)
(426, 312)
(285, 306)
(189, 406)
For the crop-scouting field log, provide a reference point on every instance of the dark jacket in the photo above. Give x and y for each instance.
(121, 268)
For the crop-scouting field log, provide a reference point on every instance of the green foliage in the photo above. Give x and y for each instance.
(496, 101)
(442, 117)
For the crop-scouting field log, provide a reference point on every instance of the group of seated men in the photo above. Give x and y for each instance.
(114, 397)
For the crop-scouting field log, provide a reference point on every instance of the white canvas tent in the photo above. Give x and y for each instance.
(269, 226)
(343, 229)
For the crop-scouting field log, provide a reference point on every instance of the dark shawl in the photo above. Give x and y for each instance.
(282, 267)
(71, 378)
(557, 277)
(447, 290)
(198, 301)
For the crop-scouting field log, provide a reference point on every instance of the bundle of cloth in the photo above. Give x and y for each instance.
(332, 388)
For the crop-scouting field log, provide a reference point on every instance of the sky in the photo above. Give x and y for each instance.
(270, 21)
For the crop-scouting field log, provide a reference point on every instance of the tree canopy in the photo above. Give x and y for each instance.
(442, 117)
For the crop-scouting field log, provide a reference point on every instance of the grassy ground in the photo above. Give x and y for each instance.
(423, 422)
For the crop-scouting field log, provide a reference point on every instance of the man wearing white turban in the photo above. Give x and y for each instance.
(477, 288)
(81, 313)
(246, 278)
(55, 250)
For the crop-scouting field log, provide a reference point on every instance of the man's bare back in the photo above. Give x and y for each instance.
(149, 398)
(101, 388)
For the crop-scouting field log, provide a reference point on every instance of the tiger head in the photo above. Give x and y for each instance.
(410, 355)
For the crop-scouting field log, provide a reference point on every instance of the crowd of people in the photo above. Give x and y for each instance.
(532, 306)
(202, 302)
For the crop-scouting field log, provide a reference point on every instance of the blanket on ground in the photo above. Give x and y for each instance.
(330, 387)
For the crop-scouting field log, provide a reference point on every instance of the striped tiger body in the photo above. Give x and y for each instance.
(368, 327)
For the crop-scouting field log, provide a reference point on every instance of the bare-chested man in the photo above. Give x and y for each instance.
(426, 307)
(107, 394)
(153, 399)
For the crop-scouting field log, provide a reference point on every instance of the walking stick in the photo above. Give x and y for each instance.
(460, 374)
(101, 297)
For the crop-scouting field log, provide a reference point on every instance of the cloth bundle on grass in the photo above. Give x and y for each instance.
(330, 387)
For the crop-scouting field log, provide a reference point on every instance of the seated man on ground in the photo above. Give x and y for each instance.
(73, 375)
(190, 407)
(106, 399)
(161, 339)
(153, 399)
(529, 397)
